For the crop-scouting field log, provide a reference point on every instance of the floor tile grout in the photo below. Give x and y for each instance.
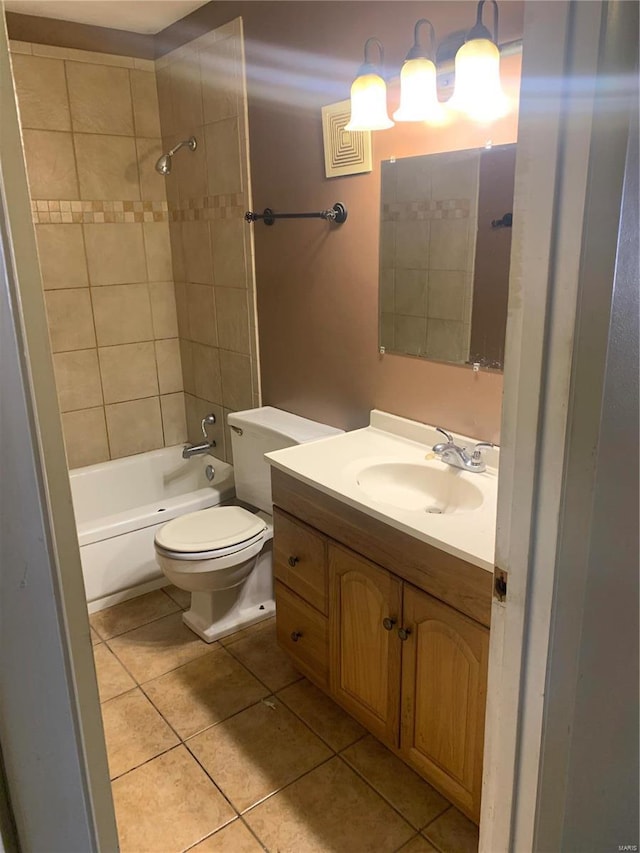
(288, 785)
(379, 793)
(141, 625)
(210, 834)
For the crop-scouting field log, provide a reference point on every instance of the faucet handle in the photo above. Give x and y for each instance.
(208, 420)
(481, 445)
(447, 435)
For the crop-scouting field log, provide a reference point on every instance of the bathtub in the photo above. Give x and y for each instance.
(119, 505)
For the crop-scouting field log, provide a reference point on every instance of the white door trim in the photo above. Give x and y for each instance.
(563, 48)
(51, 733)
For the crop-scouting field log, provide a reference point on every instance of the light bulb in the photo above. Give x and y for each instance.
(418, 94)
(369, 103)
(478, 89)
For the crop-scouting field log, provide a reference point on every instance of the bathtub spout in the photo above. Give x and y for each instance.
(190, 450)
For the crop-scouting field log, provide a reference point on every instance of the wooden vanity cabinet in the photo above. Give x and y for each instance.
(406, 659)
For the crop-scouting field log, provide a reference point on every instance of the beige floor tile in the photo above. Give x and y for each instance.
(158, 647)
(167, 805)
(95, 639)
(257, 752)
(234, 838)
(260, 653)
(329, 809)
(134, 731)
(453, 833)
(113, 679)
(132, 614)
(418, 844)
(321, 714)
(203, 692)
(246, 632)
(414, 798)
(181, 597)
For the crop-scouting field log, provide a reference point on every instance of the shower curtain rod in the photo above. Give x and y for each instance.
(337, 214)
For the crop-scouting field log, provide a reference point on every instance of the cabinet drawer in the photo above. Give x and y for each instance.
(302, 632)
(300, 559)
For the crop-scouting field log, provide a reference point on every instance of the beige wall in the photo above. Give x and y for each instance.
(202, 93)
(91, 135)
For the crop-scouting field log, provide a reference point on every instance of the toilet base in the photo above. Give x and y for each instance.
(233, 621)
(217, 614)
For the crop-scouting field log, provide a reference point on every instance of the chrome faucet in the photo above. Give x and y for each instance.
(190, 450)
(460, 457)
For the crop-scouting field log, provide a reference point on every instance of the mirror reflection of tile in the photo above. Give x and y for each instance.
(444, 270)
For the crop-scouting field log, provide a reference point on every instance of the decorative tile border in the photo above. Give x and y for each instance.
(94, 212)
(405, 211)
(206, 208)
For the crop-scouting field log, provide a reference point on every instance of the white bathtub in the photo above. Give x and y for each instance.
(119, 505)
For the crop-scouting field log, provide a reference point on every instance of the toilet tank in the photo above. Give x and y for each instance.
(259, 431)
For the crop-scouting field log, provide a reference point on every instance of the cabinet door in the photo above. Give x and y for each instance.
(364, 655)
(444, 682)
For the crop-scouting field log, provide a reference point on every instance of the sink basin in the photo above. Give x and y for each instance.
(410, 486)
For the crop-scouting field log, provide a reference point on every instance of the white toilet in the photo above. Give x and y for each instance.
(222, 555)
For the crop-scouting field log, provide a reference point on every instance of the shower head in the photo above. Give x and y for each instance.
(164, 163)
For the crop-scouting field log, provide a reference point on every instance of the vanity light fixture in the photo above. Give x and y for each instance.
(369, 94)
(418, 92)
(477, 89)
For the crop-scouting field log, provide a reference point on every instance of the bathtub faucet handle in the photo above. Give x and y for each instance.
(193, 449)
(208, 420)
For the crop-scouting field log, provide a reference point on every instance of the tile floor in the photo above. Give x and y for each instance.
(225, 747)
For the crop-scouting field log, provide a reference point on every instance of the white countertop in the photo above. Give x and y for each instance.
(331, 465)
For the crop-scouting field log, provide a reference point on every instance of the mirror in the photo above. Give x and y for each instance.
(445, 242)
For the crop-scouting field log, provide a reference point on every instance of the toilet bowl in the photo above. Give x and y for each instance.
(212, 554)
(222, 555)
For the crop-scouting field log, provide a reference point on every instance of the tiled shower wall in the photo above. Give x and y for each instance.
(202, 93)
(92, 135)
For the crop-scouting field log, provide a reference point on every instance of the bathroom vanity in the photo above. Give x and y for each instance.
(390, 620)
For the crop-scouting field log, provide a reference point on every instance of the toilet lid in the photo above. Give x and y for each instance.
(210, 530)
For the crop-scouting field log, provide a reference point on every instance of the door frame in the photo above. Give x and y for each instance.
(56, 790)
(568, 139)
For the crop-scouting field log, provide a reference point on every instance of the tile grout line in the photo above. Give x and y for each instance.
(126, 601)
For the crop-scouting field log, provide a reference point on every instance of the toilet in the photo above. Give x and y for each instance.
(222, 555)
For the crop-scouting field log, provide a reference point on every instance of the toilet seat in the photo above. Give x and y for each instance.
(210, 534)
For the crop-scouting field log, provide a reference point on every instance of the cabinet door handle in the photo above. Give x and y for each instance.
(403, 633)
(293, 561)
(295, 636)
(388, 623)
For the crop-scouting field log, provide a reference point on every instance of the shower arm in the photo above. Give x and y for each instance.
(190, 143)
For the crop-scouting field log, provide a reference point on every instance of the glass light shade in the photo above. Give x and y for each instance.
(418, 94)
(478, 90)
(369, 104)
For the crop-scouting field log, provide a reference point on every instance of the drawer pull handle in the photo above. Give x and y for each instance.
(403, 633)
(295, 636)
(388, 623)
(293, 561)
